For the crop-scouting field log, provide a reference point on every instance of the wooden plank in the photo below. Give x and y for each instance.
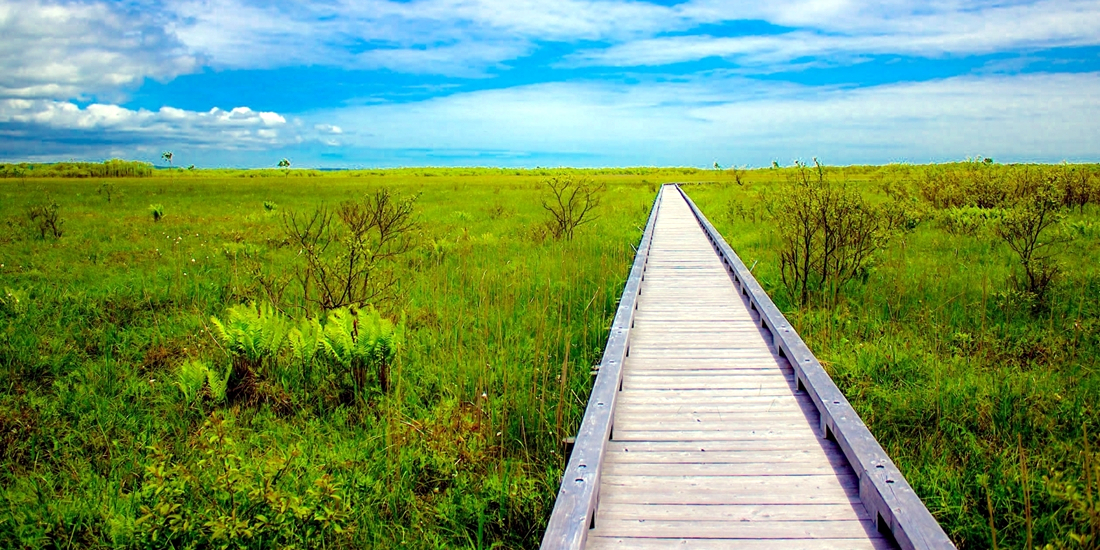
(754, 529)
(832, 456)
(735, 512)
(811, 467)
(711, 435)
(720, 446)
(601, 542)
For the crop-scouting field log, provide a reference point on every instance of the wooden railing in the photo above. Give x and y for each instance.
(896, 509)
(575, 507)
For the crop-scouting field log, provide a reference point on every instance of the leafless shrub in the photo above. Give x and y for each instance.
(571, 201)
(349, 252)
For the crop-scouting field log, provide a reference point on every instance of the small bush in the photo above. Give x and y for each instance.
(107, 189)
(270, 206)
(571, 202)
(1029, 229)
(827, 232)
(157, 210)
(349, 253)
(46, 218)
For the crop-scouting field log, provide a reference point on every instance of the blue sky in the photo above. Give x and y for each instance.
(364, 83)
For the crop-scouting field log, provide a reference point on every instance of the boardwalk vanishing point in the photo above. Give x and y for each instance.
(711, 425)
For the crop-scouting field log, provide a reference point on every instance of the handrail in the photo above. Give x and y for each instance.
(575, 507)
(895, 507)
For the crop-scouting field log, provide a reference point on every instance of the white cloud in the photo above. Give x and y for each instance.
(846, 30)
(64, 50)
(466, 37)
(1035, 117)
(239, 128)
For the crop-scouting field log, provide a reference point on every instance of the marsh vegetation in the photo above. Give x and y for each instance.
(291, 358)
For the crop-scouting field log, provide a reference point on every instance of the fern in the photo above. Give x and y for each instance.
(190, 377)
(362, 342)
(193, 377)
(306, 339)
(252, 332)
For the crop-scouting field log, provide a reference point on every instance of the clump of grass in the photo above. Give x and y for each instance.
(157, 211)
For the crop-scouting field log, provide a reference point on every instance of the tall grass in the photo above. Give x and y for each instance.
(463, 451)
(975, 393)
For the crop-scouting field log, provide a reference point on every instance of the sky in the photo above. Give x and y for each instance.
(524, 83)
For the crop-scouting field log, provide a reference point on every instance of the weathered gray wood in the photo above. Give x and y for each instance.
(883, 489)
(697, 429)
(641, 543)
(576, 502)
(736, 512)
(756, 529)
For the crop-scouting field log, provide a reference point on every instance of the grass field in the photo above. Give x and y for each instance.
(960, 378)
(465, 450)
(963, 383)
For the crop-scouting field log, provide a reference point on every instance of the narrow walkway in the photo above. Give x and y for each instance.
(712, 445)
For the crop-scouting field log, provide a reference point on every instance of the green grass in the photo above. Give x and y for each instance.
(466, 449)
(945, 366)
(934, 350)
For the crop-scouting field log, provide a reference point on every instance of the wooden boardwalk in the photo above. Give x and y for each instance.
(700, 433)
(713, 446)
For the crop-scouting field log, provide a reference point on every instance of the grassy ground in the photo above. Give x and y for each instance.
(960, 382)
(99, 448)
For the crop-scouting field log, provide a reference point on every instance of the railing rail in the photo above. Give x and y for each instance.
(575, 507)
(895, 507)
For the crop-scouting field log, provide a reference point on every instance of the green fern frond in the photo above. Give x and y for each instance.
(190, 377)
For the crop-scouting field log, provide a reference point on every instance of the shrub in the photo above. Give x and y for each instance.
(1028, 228)
(349, 254)
(827, 233)
(157, 210)
(973, 183)
(107, 189)
(270, 206)
(1079, 186)
(46, 218)
(571, 201)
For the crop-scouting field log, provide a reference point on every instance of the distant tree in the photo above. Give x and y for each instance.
(716, 167)
(167, 156)
(285, 165)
